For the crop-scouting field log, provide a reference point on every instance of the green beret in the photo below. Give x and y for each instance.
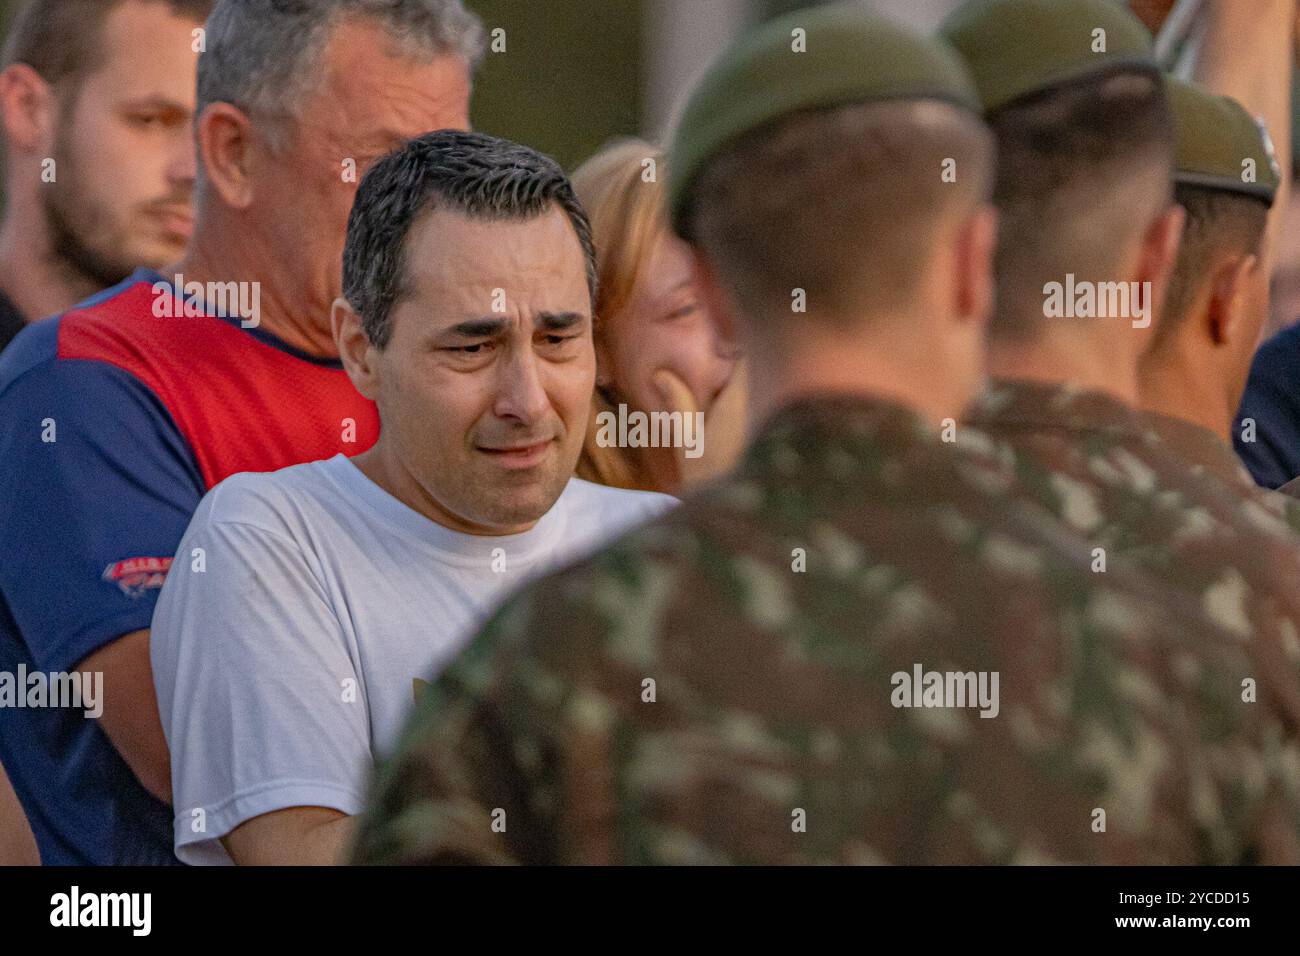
(1215, 138)
(815, 58)
(1015, 48)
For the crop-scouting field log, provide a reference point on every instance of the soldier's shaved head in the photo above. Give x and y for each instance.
(1220, 227)
(847, 204)
(1083, 170)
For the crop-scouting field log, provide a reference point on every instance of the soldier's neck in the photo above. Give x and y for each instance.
(927, 390)
(1169, 384)
(1091, 362)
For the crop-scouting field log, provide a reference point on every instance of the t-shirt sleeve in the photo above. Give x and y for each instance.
(259, 697)
(96, 487)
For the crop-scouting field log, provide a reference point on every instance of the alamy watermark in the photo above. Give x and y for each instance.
(241, 300)
(78, 689)
(1098, 300)
(922, 688)
(637, 429)
(133, 911)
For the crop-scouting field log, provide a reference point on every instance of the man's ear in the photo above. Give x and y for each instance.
(1229, 299)
(355, 350)
(227, 146)
(973, 280)
(1159, 254)
(28, 109)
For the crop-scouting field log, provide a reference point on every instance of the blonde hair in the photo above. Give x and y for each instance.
(620, 187)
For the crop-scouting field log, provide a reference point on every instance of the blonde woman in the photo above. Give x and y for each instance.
(656, 350)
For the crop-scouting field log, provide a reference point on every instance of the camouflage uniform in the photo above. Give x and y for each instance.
(772, 737)
(1206, 452)
(1102, 468)
(1214, 137)
(1203, 450)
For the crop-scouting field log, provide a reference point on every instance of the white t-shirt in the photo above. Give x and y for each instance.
(285, 651)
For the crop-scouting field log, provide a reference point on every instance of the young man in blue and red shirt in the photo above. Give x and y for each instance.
(118, 415)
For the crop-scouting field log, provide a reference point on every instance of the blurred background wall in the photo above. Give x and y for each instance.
(577, 73)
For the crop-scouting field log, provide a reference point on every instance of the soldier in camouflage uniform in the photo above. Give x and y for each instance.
(1086, 150)
(737, 682)
(1228, 179)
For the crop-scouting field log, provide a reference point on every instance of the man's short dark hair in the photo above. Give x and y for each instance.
(479, 176)
(1219, 225)
(839, 202)
(1082, 170)
(60, 39)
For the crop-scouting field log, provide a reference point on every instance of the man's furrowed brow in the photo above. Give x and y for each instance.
(479, 328)
(554, 321)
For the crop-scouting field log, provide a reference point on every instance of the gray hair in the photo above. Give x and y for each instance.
(260, 54)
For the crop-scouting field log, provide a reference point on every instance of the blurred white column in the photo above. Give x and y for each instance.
(681, 38)
(923, 15)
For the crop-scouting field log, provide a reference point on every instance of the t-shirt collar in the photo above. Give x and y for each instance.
(457, 547)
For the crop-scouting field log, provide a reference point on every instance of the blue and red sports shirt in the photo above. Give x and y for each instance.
(113, 424)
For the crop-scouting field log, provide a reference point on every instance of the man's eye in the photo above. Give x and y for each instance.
(683, 312)
(559, 339)
(164, 119)
(478, 348)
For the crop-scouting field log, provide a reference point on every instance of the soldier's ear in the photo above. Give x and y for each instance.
(1159, 252)
(973, 280)
(1230, 299)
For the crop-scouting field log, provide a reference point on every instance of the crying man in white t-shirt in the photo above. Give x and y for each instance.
(286, 659)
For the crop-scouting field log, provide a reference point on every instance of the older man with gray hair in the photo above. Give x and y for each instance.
(119, 415)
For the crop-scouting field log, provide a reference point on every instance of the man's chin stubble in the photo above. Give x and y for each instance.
(79, 260)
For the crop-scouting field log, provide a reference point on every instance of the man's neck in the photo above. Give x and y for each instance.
(36, 282)
(282, 310)
(1170, 385)
(1083, 361)
(382, 466)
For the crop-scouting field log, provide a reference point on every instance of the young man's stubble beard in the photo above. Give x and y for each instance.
(88, 239)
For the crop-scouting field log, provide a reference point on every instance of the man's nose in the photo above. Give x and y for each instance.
(521, 394)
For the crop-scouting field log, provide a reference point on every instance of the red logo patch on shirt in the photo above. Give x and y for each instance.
(137, 575)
